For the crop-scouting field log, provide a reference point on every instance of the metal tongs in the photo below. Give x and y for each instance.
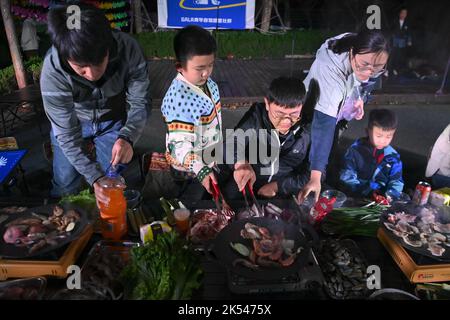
(217, 196)
(252, 194)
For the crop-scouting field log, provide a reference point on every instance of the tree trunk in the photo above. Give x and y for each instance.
(137, 15)
(19, 69)
(266, 15)
(287, 13)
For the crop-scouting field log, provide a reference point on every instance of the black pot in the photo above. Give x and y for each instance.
(226, 255)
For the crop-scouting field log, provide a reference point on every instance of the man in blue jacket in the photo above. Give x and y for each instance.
(371, 164)
(94, 85)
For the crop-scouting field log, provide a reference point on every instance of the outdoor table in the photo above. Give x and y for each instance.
(215, 277)
(214, 283)
(9, 104)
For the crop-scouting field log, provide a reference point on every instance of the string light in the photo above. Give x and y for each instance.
(37, 9)
(42, 3)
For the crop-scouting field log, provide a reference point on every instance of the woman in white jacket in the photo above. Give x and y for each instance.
(438, 168)
(340, 78)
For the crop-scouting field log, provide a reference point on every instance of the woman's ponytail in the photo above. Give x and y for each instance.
(343, 44)
(366, 41)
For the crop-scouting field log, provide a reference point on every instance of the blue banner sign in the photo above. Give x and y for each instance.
(209, 14)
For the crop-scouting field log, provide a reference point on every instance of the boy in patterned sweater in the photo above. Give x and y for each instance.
(192, 112)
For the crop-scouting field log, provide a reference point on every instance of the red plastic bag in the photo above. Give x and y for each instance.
(321, 209)
(380, 199)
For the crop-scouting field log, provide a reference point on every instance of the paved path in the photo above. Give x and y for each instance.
(244, 81)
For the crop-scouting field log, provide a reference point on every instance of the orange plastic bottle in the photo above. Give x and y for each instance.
(113, 214)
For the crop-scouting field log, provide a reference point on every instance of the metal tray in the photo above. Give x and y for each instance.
(12, 251)
(442, 215)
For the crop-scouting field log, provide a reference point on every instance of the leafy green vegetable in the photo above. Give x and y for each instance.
(353, 221)
(166, 268)
(85, 199)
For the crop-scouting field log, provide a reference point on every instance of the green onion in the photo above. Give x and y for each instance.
(353, 221)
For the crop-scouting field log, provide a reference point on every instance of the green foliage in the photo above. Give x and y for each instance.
(34, 67)
(240, 44)
(157, 44)
(256, 45)
(8, 81)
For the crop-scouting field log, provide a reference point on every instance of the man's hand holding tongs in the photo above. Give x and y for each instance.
(244, 174)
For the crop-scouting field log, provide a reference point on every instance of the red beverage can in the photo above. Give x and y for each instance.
(422, 193)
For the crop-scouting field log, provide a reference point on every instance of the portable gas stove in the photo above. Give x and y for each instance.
(308, 278)
(417, 268)
(53, 264)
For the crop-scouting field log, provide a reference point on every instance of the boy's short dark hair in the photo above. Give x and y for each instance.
(286, 92)
(87, 45)
(193, 41)
(383, 118)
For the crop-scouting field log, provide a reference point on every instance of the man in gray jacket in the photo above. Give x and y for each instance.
(94, 85)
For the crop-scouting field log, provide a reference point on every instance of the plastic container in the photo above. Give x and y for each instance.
(440, 197)
(113, 214)
(23, 289)
(403, 198)
(344, 269)
(340, 197)
(392, 294)
(182, 219)
(150, 231)
(101, 272)
(309, 201)
(133, 198)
